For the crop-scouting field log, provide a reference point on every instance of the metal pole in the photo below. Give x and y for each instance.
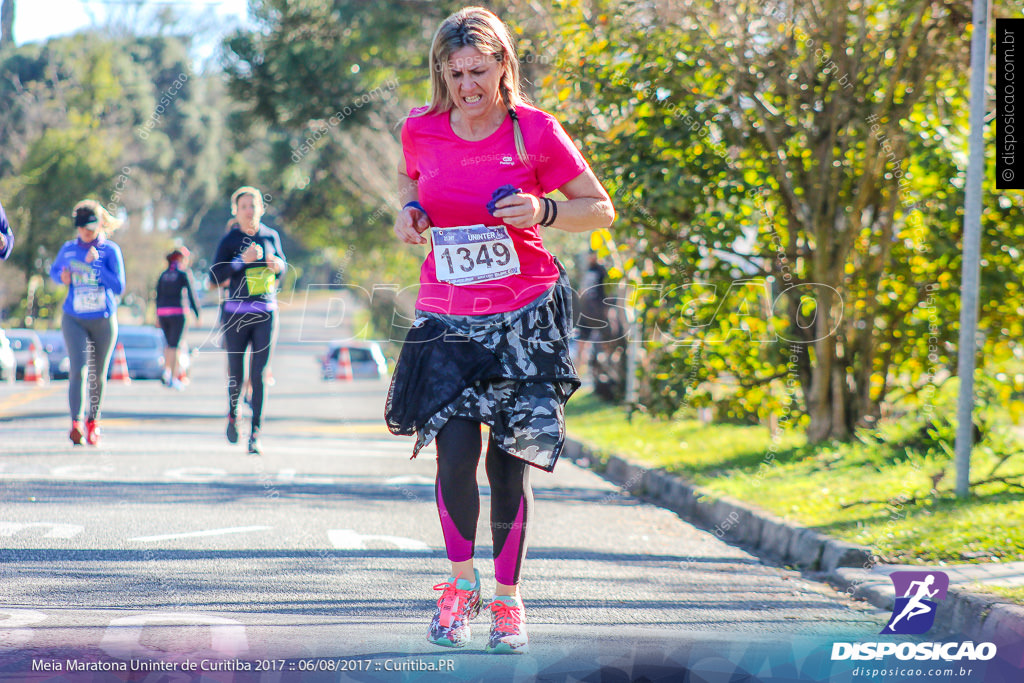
(970, 276)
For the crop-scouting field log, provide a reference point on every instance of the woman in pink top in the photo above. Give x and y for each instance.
(489, 344)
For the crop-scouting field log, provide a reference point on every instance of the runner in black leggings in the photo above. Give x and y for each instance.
(248, 263)
(458, 498)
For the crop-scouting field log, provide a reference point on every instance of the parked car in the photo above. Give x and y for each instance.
(8, 363)
(143, 351)
(27, 345)
(367, 358)
(57, 353)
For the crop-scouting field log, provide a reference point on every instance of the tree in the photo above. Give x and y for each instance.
(7, 23)
(328, 84)
(123, 121)
(811, 149)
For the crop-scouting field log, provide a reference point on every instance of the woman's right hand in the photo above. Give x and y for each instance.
(410, 224)
(252, 253)
(65, 276)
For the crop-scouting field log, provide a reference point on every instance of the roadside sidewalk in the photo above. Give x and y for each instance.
(849, 567)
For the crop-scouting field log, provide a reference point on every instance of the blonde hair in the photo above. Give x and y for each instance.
(257, 199)
(107, 222)
(478, 28)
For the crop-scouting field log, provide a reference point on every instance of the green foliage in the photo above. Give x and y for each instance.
(120, 120)
(327, 84)
(805, 168)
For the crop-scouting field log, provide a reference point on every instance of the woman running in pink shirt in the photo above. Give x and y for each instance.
(490, 341)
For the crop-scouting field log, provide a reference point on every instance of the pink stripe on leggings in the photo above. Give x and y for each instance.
(505, 562)
(459, 549)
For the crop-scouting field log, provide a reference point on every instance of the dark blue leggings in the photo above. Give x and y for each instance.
(458, 498)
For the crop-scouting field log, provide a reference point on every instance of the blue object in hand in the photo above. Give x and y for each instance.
(499, 194)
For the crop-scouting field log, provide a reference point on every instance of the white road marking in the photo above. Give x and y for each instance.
(11, 620)
(57, 529)
(411, 480)
(198, 534)
(195, 473)
(317, 480)
(349, 539)
(123, 637)
(82, 471)
(286, 476)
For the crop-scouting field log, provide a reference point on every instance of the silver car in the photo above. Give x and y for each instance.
(143, 351)
(57, 352)
(8, 363)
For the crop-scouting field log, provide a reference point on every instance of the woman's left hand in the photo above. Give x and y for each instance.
(519, 210)
(91, 255)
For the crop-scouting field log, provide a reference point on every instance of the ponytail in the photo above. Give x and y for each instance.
(517, 131)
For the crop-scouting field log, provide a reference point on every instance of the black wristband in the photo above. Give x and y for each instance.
(550, 212)
(543, 221)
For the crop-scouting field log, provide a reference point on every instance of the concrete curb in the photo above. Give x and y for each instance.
(981, 618)
(728, 519)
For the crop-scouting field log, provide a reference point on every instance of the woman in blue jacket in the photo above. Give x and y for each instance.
(6, 236)
(93, 269)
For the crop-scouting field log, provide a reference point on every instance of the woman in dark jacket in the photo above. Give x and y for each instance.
(171, 288)
(249, 262)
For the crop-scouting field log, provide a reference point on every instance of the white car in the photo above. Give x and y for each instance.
(8, 363)
(368, 361)
(28, 347)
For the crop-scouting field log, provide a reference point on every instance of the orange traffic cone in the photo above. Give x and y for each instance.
(344, 366)
(120, 373)
(32, 373)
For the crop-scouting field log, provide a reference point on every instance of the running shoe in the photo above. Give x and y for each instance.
(254, 443)
(508, 627)
(232, 431)
(459, 602)
(166, 379)
(92, 432)
(76, 433)
(177, 384)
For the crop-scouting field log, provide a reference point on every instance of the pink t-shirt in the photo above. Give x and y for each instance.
(455, 180)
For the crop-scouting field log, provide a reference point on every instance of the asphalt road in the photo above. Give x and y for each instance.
(169, 544)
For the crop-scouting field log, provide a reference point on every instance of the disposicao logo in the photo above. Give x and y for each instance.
(914, 612)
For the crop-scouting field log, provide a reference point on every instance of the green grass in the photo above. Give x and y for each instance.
(876, 493)
(1015, 594)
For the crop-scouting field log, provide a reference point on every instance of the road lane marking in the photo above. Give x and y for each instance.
(195, 473)
(411, 480)
(286, 476)
(199, 534)
(349, 539)
(341, 429)
(90, 471)
(123, 637)
(57, 529)
(23, 397)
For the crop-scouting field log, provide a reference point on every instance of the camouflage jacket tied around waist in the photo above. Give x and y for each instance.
(511, 371)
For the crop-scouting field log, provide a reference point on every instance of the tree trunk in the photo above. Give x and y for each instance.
(832, 403)
(7, 23)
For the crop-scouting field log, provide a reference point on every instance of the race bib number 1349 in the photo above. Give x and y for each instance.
(473, 253)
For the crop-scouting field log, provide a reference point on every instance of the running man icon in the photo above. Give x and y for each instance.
(915, 602)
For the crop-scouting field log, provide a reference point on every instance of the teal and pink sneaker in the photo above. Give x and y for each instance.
(508, 626)
(459, 602)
